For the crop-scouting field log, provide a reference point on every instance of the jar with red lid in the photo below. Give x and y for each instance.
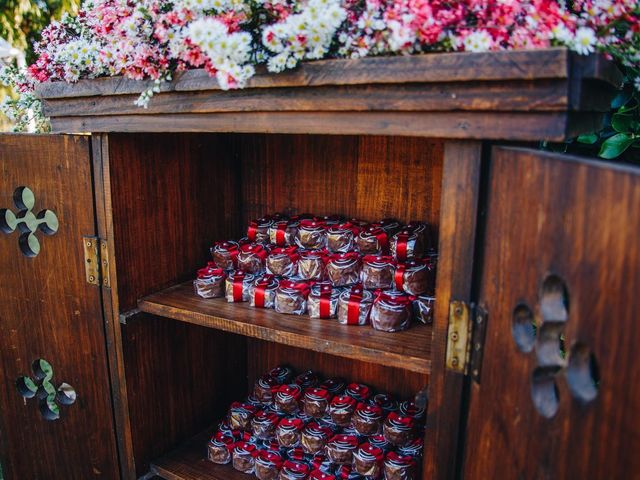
(262, 292)
(399, 467)
(244, 457)
(354, 306)
(367, 419)
(341, 409)
(225, 254)
(291, 297)
(312, 265)
(373, 240)
(340, 449)
(283, 232)
(283, 261)
(264, 388)
(391, 311)
(385, 401)
(381, 442)
(414, 448)
(344, 269)
(335, 385)
(312, 234)
(237, 286)
(406, 245)
(263, 424)
(294, 470)
(389, 225)
(377, 271)
(341, 238)
(258, 230)
(288, 432)
(415, 277)
(399, 429)
(282, 374)
(252, 258)
(323, 300)
(359, 391)
(411, 409)
(307, 379)
(210, 282)
(240, 415)
(367, 460)
(268, 464)
(423, 307)
(320, 475)
(219, 448)
(316, 401)
(314, 438)
(288, 397)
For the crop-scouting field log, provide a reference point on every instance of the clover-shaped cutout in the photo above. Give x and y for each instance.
(42, 388)
(27, 222)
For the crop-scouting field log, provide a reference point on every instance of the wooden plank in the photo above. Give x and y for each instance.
(409, 349)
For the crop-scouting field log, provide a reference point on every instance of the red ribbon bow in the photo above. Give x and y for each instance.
(261, 287)
(402, 239)
(301, 287)
(326, 291)
(238, 286)
(353, 307)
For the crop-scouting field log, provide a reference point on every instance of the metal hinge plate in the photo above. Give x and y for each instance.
(465, 338)
(96, 261)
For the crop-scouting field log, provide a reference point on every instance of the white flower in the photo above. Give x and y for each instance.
(478, 42)
(562, 34)
(584, 41)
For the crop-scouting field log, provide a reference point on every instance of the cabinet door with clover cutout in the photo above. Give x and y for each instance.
(56, 419)
(559, 391)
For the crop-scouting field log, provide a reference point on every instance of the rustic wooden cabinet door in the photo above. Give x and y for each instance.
(559, 391)
(56, 417)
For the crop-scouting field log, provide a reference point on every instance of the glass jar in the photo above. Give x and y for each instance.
(406, 245)
(220, 448)
(381, 442)
(262, 293)
(210, 282)
(385, 401)
(283, 233)
(312, 265)
(340, 449)
(354, 306)
(264, 388)
(391, 312)
(263, 424)
(367, 419)
(294, 470)
(237, 286)
(323, 300)
(367, 460)
(307, 379)
(399, 467)
(312, 235)
(413, 449)
(258, 230)
(341, 409)
(283, 262)
(377, 272)
(410, 409)
(314, 438)
(240, 416)
(316, 401)
(291, 297)
(341, 238)
(389, 225)
(359, 391)
(282, 374)
(287, 398)
(423, 307)
(268, 464)
(343, 269)
(415, 277)
(252, 258)
(225, 254)
(373, 240)
(289, 431)
(244, 457)
(399, 429)
(334, 385)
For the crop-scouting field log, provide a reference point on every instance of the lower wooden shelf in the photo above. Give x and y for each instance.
(410, 350)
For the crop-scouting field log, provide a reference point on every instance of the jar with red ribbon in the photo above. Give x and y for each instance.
(341, 237)
(399, 467)
(283, 261)
(411, 409)
(423, 307)
(237, 286)
(413, 449)
(262, 292)
(343, 269)
(312, 265)
(281, 373)
(320, 475)
(391, 311)
(406, 245)
(240, 415)
(291, 297)
(367, 460)
(359, 391)
(415, 277)
(314, 438)
(268, 464)
(294, 470)
(354, 306)
(341, 409)
(316, 401)
(263, 424)
(385, 401)
(258, 230)
(225, 254)
(377, 271)
(373, 240)
(399, 429)
(289, 431)
(288, 397)
(312, 234)
(219, 448)
(367, 419)
(335, 385)
(283, 232)
(264, 388)
(244, 457)
(381, 442)
(210, 282)
(252, 258)
(307, 379)
(340, 449)
(389, 225)
(323, 300)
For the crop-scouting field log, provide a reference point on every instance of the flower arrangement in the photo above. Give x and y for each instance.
(152, 39)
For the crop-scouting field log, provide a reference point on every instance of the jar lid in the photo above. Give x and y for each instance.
(312, 225)
(286, 392)
(344, 401)
(222, 440)
(335, 385)
(396, 459)
(264, 417)
(267, 281)
(345, 227)
(400, 422)
(410, 409)
(243, 408)
(291, 287)
(389, 224)
(291, 424)
(326, 288)
(245, 447)
(385, 401)
(369, 412)
(322, 254)
(359, 391)
(379, 440)
(414, 449)
(344, 259)
(255, 248)
(262, 222)
(369, 453)
(239, 275)
(269, 458)
(290, 251)
(356, 294)
(209, 272)
(281, 373)
(226, 246)
(416, 226)
(378, 260)
(344, 442)
(394, 300)
(313, 429)
(295, 469)
(316, 394)
(307, 379)
(284, 224)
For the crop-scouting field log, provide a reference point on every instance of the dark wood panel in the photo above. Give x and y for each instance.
(49, 311)
(576, 219)
(409, 349)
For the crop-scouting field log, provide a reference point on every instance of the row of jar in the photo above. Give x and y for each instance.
(385, 310)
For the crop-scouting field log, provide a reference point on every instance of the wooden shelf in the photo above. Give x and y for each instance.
(410, 350)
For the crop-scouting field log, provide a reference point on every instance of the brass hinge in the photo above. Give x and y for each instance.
(96, 261)
(465, 338)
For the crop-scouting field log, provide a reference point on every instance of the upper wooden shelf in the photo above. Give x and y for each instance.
(410, 350)
(512, 95)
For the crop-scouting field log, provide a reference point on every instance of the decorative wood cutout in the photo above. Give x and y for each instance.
(27, 222)
(546, 340)
(45, 391)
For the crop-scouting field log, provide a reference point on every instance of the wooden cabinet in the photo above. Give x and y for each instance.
(153, 366)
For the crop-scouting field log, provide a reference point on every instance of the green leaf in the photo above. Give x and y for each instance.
(621, 123)
(615, 146)
(589, 138)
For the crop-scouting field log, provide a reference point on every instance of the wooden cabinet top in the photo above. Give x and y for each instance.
(512, 95)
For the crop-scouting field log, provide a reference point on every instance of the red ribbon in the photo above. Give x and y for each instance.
(252, 231)
(281, 229)
(398, 277)
(256, 249)
(401, 246)
(325, 301)
(301, 287)
(261, 287)
(209, 272)
(353, 308)
(238, 286)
